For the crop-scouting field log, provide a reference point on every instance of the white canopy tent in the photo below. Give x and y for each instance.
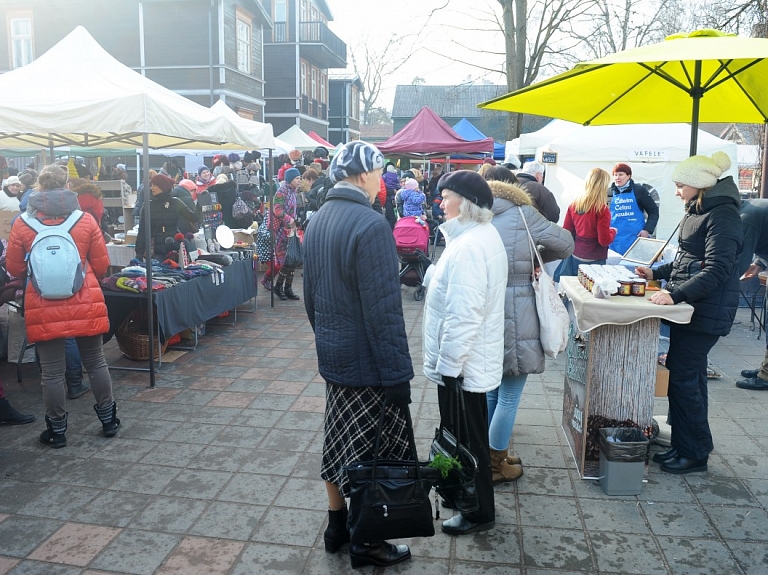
(77, 94)
(296, 138)
(651, 150)
(528, 143)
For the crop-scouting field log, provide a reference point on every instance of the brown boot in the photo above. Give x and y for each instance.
(514, 460)
(501, 470)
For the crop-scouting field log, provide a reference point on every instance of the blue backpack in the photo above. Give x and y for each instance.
(53, 262)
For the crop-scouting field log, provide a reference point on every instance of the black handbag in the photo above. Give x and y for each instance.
(389, 499)
(293, 252)
(458, 488)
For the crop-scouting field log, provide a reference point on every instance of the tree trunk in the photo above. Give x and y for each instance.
(514, 47)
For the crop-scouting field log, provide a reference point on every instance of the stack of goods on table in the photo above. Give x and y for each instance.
(164, 274)
(611, 280)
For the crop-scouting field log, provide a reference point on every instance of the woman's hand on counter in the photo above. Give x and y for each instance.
(661, 298)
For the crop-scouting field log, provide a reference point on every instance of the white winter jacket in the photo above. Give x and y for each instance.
(463, 323)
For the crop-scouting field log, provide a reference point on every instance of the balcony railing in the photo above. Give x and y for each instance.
(316, 33)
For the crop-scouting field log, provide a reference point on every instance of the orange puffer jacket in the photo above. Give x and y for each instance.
(85, 313)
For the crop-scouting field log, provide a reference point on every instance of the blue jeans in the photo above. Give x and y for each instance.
(72, 356)
(502, 410)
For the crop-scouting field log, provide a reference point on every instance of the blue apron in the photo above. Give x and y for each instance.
(627, 218)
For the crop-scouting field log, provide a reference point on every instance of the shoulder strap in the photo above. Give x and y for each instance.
(532, 244)
(39, 226)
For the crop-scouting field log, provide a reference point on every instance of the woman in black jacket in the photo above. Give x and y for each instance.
(704, 274)
(166, 211)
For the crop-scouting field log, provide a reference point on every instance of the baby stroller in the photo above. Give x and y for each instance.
(412, 243)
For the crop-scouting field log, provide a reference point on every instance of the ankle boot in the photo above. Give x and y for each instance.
(501, 470)
(9, 416)
(54, 435)
(108, 417)
(76, 386)
(266, 283)
(288, 290)
(278, 289)
(336, 534)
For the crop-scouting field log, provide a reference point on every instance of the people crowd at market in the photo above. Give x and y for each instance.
(481, 330)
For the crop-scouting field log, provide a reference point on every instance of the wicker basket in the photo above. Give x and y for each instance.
(133, 339)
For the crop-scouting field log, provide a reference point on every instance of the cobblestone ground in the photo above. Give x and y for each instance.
(216, 472)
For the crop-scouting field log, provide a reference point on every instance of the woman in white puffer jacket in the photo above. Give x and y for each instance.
(463, 325)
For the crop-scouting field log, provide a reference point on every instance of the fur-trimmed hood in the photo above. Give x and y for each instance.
(513, 193)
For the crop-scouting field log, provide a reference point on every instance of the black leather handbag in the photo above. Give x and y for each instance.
(389, 499)
(458, 488)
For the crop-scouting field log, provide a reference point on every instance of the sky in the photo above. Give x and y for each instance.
(377, 21)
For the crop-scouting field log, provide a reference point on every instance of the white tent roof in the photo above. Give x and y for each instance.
(628, 143)
(261, 134)
(298, 139)
(531, 141)
(77, 94)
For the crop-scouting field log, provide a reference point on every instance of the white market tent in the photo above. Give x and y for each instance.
(77, 94)
(651, 150)
(528, 143)
(298, 139)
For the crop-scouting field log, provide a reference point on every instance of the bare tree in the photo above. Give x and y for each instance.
(615, 25)
(532, 35)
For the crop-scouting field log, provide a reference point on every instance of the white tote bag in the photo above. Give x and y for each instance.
(553, 317)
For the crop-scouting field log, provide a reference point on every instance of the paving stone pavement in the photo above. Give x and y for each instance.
(216, 472)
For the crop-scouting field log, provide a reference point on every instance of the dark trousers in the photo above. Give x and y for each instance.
(688, 399)
(476, 407)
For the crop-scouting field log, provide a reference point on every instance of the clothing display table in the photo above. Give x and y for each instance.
(187, 304)
(611, 364)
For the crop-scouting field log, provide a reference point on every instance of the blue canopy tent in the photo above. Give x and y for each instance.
(468, 131)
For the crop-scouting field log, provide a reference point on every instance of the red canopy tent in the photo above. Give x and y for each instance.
(320, 140)
(428, 135)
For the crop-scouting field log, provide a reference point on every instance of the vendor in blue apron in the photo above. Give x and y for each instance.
(634, 213)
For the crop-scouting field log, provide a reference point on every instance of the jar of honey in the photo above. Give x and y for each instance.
(625, 287)
(638, 286)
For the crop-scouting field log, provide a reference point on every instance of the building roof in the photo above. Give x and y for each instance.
(447, 101)
(376, 132)
(346, 78)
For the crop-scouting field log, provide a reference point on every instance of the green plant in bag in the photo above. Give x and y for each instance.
(444, 464)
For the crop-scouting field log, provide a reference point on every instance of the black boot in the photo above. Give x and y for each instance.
(76, 386)
(288, 291)
(336, 534)
(380, 553)
(9, 416)
(54, 435)
(108, 417)
(278, 289)
(665, 456)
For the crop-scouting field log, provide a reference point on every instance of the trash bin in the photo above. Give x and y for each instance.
(623, 451)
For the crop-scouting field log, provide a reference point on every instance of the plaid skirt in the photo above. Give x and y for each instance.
(351, 419)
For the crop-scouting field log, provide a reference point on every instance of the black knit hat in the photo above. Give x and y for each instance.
(469, 184)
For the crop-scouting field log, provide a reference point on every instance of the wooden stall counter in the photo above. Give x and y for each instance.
(611, 363)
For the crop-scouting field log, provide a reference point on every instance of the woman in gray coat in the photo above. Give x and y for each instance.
(523, 353)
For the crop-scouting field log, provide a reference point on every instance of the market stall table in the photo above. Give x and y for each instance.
(611, 364)
(187, 304)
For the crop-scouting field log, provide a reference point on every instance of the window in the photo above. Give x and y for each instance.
(281, 11)
(21, 42)
(303, 78)
(314, 84)
(243, 45)
(322, 88)
(304, 10)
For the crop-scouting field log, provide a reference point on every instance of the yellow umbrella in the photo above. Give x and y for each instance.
(704, 76)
